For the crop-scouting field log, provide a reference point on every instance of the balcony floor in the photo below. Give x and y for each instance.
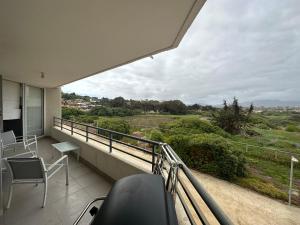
(64, 203)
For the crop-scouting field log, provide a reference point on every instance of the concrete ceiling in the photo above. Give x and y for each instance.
(68, 40)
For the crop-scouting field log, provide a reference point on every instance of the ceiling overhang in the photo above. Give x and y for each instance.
(52, 43)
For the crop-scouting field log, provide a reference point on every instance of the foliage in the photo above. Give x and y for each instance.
(70, 113)
(190, 125)
(118, 102)
(292, 128)
(261, 121)
(175, 107)
(86, 119)
(263, 186)
(232, 118)
(113, 124)
(108, 111)
(209, 153)
(156, 135)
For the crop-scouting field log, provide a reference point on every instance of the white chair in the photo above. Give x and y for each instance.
(33, 170)
(10, 142)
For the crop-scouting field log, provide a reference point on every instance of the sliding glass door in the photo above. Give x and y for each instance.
(34, 110)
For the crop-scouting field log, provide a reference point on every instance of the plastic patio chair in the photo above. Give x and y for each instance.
(33, 170)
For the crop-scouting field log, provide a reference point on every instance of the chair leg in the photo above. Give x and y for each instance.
(10, 196)
(45, 192)
(67, 170)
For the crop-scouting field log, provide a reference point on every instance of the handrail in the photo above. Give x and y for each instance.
(86, 131)
(175, 164)
(209, 201)
(111, 131)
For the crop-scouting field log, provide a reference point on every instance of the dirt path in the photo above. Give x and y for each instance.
(247, 207)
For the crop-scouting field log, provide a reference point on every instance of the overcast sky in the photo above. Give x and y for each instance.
(247, 49)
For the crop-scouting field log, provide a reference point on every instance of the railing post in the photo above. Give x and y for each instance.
(153, 157)
(72, 126)
(87, 133)
(53, 121)
(110, 142)
(61, 123)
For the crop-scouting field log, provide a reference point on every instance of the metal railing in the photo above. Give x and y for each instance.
(110, 138)
(182, 183)
(198, 205)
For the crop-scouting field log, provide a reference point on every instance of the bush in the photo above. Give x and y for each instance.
(113, 124)
(191, 126)
(262, 122)
(71, 113)
(292, 128)
(156, 135)
(209, 153)
(86, 119)
(108, 111)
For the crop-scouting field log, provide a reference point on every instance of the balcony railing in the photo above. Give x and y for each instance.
(198, 205)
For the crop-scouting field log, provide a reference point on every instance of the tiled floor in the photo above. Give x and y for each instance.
(64, 203)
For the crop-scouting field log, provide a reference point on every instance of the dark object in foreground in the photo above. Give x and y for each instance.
(137, 200)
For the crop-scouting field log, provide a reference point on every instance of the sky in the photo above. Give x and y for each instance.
(247, 49)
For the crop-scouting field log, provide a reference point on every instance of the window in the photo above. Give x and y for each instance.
(34, 110)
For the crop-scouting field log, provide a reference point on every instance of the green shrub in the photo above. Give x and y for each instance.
(209, 153)
(71, 113)
(116, 111)
(263, 186)
(262, 122)
(86, 119)
(113, 124)
(156, 135)
(191, 126)
(292, 128)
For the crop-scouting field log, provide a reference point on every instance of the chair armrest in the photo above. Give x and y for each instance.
(26, 137)
(30, 154)
(11, 145)
(33, 136)
(56, 163)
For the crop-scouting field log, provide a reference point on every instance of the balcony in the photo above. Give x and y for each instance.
(103, 159)
(64, 203)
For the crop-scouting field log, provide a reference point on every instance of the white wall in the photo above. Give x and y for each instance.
(52, 107)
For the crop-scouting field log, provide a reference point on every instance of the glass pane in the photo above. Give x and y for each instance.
(34, 110)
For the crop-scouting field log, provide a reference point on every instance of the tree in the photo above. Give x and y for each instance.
(176, 107)
(118, 102)
(232, 118)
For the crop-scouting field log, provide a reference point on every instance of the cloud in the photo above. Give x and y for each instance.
(248, 49)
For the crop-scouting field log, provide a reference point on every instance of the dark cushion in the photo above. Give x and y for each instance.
(137, 200)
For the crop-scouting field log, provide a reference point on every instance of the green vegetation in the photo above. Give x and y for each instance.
(233, 143)
(107, 111)
(105, 106)
(232, 118)
(71, 113)
(209, 153)
(292, 128)
(114, 124)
